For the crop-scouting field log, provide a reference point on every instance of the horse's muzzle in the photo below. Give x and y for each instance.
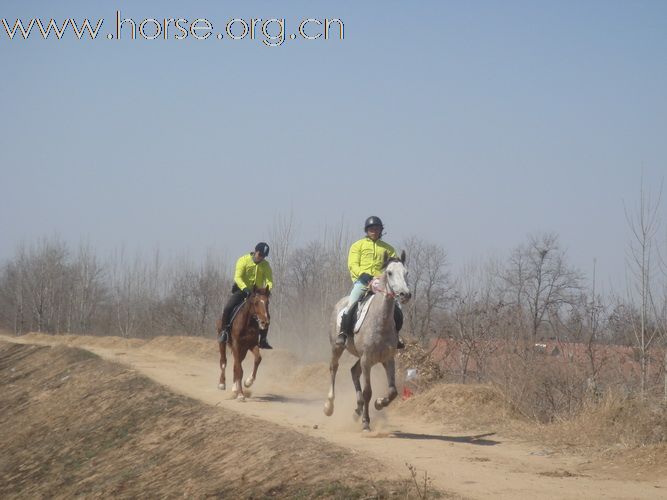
(403, 297)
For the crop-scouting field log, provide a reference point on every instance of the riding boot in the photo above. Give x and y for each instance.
(398, 320)
(224, 335)
(263, 344)
(344, 327)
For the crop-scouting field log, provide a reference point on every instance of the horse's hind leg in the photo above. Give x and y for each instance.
(356, 373)
(223, 365)
(389, 367)
(258, 359)
(336, 352)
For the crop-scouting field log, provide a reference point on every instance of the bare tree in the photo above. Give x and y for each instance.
(644, 224)
(194, 300)
(88, 290)
(281, 235)
(12, 294)
(45, 277)
(477, 313)
(429, 281)
(128, 281)
(539, 281)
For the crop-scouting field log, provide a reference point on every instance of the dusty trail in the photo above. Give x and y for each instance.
(480, 465)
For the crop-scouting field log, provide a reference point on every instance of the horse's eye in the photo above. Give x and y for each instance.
(390, 273)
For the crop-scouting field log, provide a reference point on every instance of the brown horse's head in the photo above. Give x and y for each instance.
(258, 303)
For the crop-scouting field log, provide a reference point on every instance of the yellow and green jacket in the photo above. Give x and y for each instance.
(248, 273)
(366, 256)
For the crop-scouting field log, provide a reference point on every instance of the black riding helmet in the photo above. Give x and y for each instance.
(262, 248)
(373, 221)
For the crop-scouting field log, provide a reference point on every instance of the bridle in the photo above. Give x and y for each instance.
(252, 308)
(387, 291)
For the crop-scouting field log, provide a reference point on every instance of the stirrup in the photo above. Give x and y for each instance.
(223, 337)
(400, 344)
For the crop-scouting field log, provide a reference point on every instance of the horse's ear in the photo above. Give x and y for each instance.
(254, 288)
(403, 256)
(385, 258)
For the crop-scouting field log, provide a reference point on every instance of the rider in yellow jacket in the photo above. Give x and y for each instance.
(365, 261)
(249, 273)
(252, 270)
(366, 255)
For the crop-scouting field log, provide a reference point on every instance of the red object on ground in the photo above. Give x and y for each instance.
(406, 393)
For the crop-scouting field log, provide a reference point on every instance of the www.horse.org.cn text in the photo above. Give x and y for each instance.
(270, 32)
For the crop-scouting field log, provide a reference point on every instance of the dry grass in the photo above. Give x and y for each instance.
(74, 425)
(614, 422)
(613, 426)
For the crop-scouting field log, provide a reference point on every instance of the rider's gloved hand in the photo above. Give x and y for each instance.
(365, 279)
(247, 292)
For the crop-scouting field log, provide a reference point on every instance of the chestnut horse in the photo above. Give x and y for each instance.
(252, 316)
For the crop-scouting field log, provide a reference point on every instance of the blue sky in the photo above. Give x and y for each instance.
(470, 124)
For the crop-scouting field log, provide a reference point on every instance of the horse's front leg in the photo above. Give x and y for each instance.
(223, 365)
(356, 374)
(258, 359)
(367, 394)
(389, 367)
(336, 352)
(237, 390)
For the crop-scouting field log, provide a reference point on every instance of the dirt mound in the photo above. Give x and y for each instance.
(84, 340)
(191, 347)
(75, 425)
(464, 405)
(314, 377)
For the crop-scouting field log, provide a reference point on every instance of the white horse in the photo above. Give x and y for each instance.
(375, 342)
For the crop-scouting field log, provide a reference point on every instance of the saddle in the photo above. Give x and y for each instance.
(358, 312)
(360, 309)
(235, 311)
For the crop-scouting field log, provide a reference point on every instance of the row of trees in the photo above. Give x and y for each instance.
(502, 307)
(534, 294)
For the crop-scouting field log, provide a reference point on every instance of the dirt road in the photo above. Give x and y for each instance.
(481, 464)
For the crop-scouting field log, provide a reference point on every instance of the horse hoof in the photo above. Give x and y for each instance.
(240, 398)
(222, 387)
(366, 428)
(328, 408)
(378, 404)
(248, 382)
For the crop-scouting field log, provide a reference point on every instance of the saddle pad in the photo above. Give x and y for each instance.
(361, 314)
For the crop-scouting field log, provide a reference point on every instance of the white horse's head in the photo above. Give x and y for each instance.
(396, 276)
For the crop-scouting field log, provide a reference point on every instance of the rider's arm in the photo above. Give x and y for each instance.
(238, 273)
(354, 260)
(390, 250)
(268, 276)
